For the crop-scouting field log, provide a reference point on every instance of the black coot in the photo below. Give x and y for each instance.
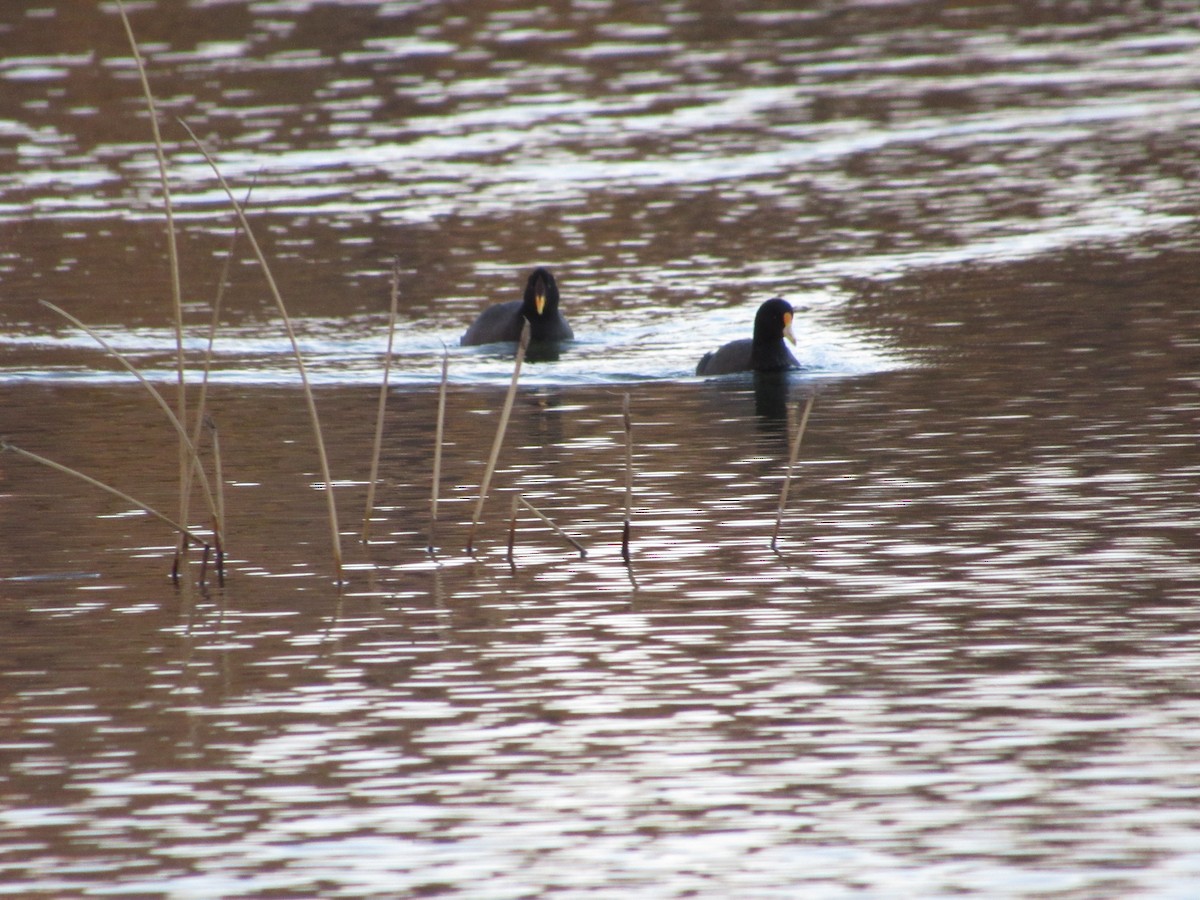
(765, 352)
(503, 321)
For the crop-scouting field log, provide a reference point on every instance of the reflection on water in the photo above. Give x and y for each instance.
(973, 659)
(971, 666)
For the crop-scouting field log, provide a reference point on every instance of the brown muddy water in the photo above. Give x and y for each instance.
(973, 666)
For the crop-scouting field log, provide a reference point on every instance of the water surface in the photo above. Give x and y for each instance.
(970, 667)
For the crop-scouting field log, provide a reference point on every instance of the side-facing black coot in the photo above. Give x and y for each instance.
(765, 352)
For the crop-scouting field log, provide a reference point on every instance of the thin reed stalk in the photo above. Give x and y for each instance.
(383, 392)
(625, 532)
(500, 429)
(787, 481)
(217, 472)
(512, 526)
(219, 530)
(546, 519)
(202, 418)
(185, 454)
(335, 533)
(158, 398)
(214, 322)
(437, 450)
(33, 457)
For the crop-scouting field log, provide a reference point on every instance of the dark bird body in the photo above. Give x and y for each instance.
(765, 352)
(503, 322)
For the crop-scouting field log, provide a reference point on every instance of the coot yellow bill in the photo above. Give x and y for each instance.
(765, 352)
(503, 321)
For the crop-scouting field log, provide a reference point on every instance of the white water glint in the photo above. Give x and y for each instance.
(645, 346)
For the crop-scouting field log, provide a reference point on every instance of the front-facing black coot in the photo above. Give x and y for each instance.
(765, 352)
(503, 321)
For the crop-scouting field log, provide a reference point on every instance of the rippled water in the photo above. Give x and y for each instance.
(971, 666)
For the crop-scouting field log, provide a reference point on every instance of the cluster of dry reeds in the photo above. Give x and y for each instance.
(191, 465)
(493, 458)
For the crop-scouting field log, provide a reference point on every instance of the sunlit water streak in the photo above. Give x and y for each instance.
(350, 351)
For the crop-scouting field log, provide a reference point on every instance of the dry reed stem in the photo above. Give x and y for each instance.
(335, 533)
(158, 398)
(787, 481)
(625, 533)
(383, 390)
(214, 321)
(202, 418)
(437, 450)
(512, 527)
(219, 530)
(562, 534)
(33, 457)
(500, 429)
(185, 456)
